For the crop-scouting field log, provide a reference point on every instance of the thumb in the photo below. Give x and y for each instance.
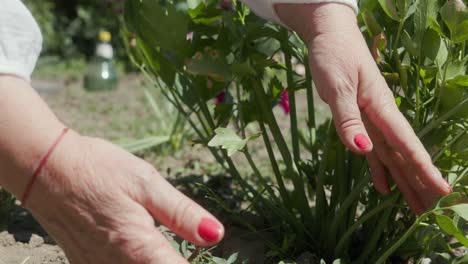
(182, 215)
(348, 122)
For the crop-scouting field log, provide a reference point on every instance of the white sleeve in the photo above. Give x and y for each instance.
(265, 8)
(20, 39)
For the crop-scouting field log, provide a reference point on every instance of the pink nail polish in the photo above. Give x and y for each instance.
(448, 185)
(209, 229)
(361, 141)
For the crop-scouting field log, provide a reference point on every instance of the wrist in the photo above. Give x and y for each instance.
(312, 20)
(55, 178)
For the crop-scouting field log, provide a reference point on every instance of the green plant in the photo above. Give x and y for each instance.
(318, 198)
(7, 202)
(172, 129)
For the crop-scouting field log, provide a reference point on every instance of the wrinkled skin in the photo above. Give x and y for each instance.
(103, 213)
(348, 80)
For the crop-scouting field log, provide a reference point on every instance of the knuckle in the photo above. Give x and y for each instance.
(348, 123)
(184, 206)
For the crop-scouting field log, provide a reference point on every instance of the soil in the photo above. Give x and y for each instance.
(25, 242)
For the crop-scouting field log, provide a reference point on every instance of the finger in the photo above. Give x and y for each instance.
(426, 196)
(347, 118)
(380, 108)
(379, 175)
(140, 241)
(182, 215)
(386, 155)
(164, 252)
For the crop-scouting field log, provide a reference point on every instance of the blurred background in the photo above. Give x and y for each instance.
(70, 30)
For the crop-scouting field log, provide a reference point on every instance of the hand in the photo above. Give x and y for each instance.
(98, 202)
(363, 107)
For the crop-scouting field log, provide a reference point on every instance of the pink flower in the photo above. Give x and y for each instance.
(225, 5)
(284, 101)
(219, 99)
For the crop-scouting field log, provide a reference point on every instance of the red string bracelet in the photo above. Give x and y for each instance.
(41, 165)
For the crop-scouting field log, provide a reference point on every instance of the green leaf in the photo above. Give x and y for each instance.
(446, 224)
(410, 45)
(339, 261)
(460, 33)
(431, 44)
(461, 80)
(456, 68)
(455, 16)
(420, 20)
(461, 210)
(389, 7)
(232, 259)
(157, 25)
(145, 143)
(434, 24)
(449, 200)
(227, 139)
(371, 23)
(411, 9)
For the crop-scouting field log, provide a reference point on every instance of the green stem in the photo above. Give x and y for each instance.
(455, 139)
(321, 204)
(401, 240)
(259, 175)
(284, 150)
(444, 77)
(438, 122)
(274, 164)
(397, 39)
(292, 102)
(418, 96)
(310, 108)
(340, 215)
(371, 243)
(344, 239)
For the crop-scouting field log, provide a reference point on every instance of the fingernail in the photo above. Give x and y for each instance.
(209, 229)
(361, 141)
(448, 185)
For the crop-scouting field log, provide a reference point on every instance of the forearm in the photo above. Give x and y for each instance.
(27, 130)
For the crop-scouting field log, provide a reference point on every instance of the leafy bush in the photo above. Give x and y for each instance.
(321, 200)
(70, 28)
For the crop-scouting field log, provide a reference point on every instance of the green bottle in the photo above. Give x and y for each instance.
(101, 74)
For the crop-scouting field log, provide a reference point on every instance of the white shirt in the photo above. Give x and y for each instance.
(21, 39)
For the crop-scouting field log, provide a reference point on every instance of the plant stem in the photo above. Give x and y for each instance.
(340, 214)
(444, 76)
(310, 108)
(371, 243)
(292, 101)
(321, 204)
(438, 122)
(362, 219)
(303, 205)
(397, 39)
(274, 164)
(402, 239)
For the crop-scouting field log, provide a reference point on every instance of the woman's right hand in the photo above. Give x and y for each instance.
(98, 202)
